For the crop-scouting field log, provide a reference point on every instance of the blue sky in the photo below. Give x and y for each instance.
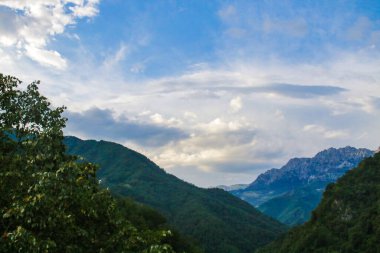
(215, 92)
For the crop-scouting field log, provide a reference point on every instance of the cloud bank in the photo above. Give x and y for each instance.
(28, 27)
(98, 123)
(249, 85)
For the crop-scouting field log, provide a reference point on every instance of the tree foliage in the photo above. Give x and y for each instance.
(50, 202)
(346, 221)
(214, 219)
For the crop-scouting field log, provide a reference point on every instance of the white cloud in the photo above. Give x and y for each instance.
(268, 129)
(325, 133)
(271, 128)
(46, 57)
(115, 58)
(30, 25)
(82, 10)
(191, 116)
(236, 104)
(217, 125)
(170, 122)
(217, 148)
(157, 118)
(269, 122)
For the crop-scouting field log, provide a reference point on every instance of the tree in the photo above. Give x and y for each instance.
(50, 201)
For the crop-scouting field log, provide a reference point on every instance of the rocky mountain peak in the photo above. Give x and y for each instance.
(343, 153)
(327, 165)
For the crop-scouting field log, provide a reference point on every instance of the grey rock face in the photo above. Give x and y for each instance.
(301, 174)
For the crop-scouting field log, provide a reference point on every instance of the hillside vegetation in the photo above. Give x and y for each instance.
(294, 207)
(290, 193)
(216, 220)
(346, 221)
(52, 203)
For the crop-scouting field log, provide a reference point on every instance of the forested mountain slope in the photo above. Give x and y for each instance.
(290, 193)
(218, 221)
(347, 220)
(51, 202)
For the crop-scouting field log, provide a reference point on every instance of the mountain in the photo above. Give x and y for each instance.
(293, 207)
(216, 220)
(151, 222)
(290, 193)
(346, 220)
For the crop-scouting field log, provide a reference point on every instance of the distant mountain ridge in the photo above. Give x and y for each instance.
(346, 220)
(301, 180)
(326, 166)
(216, 220)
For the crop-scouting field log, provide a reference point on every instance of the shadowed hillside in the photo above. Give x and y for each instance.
(218, 221)
(290, 193)
(347, 219)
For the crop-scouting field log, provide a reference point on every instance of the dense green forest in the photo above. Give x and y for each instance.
(346, 221)
(216, 220)
(294, 207)
(63, 194)
(50, 202)
(51, 199)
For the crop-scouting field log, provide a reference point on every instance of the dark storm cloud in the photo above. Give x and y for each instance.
(100, 124)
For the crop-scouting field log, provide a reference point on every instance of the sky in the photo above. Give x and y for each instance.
(215, 92)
